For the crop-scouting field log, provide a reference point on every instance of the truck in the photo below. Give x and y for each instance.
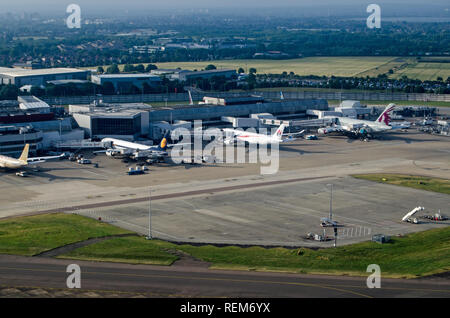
(131, 171)
(84, 161)
(22, 174)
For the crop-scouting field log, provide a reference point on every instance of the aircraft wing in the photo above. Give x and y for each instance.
(331, 129)
(35, 162)
(42, 159)
(292, 136)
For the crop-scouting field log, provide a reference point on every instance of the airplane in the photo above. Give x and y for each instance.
(360, 128)
(120, 148)
(255, 138)
(23, 161)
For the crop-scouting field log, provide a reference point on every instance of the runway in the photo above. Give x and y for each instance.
(184, 281)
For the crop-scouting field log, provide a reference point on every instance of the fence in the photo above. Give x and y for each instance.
(184, 97)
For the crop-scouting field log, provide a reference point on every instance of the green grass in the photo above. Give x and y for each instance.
(345, 66)
(424, 71)
(32, 235)
(134, 250)
(337, 66)
(417, 182)
(414, 255)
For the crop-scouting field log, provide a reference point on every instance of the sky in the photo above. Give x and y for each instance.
(140, 6)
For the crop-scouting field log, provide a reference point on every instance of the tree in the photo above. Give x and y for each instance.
(439, 78)
(210, 67)
(113, 69)
(128, 68)
(150, 67)
(37, 91)
(251, 80)
(241, 70)
(140, 68)
(252, 70)
(9, 92)
(100, 70)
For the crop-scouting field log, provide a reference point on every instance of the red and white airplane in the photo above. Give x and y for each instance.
(233, 135)
(357, 126)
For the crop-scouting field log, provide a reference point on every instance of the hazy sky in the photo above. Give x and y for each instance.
(105, 6)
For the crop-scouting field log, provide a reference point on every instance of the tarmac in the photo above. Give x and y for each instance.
(234, 204)
(100, 279)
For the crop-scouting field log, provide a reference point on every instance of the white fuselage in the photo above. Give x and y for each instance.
(117, 143)
(11, 163)
(375, 126)
(254, 138)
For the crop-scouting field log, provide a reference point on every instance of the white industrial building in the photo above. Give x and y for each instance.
(125, 121)
(21, 77)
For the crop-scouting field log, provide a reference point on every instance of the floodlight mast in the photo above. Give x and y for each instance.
(150, 236)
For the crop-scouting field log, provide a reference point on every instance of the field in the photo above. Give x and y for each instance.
(361, 66)
(424, 71)
(417, 182)
(411, 256)
(32, 235)
(396, 65)
(133, 250)
(337, 66)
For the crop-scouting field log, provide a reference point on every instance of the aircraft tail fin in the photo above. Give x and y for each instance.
(279, 133)
(24, 155)
(163, 143)
(385, 116)
(191, 101)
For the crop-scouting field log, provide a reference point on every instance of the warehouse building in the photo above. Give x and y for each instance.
(21, 77)
(183, 76)
(124, 82)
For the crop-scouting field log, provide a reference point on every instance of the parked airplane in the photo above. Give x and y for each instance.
(23, 161)
(357, 127)
(233, 135)
(120, 148)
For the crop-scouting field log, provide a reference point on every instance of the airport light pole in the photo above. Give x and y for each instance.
(331, 214)
(331, 200)
(150, 236)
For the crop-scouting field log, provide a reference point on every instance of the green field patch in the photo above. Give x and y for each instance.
(424, 71)
(33, 235)
(414, 255)
(133, 250)
(417, 182)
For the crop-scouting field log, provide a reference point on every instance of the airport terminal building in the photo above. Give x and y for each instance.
(133, 120)
(126, 121)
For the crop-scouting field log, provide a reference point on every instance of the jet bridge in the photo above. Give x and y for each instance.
(82, 144)
(298, 123)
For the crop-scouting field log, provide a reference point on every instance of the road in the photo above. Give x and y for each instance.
(199, 281)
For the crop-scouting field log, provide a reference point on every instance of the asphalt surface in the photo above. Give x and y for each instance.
(198, 281)
(175, 195)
